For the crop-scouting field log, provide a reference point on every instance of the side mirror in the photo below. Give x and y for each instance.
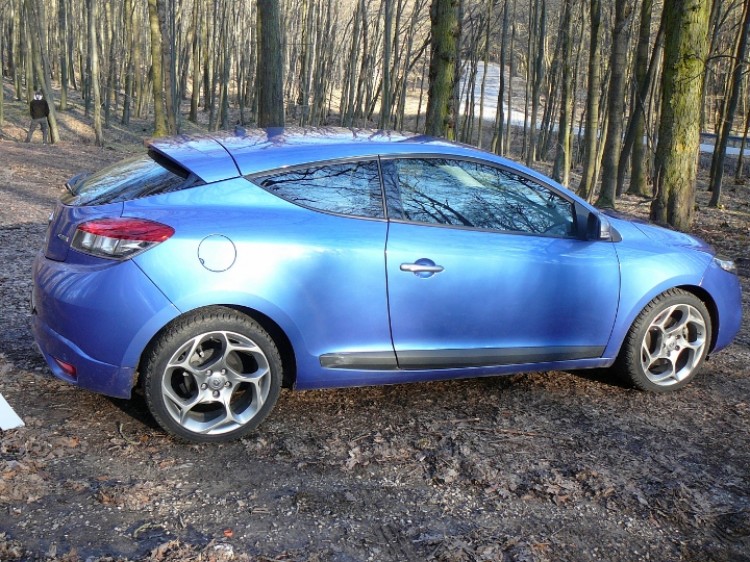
(594, 226)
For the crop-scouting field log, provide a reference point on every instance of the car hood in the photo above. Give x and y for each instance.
(662, 235)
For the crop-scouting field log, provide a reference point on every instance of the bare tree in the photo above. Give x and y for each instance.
(591, 134)
(730, 108)
(685, 48)
(157, 73)
(561, 170)
(269, 78)
(441, 110)
(615, 103)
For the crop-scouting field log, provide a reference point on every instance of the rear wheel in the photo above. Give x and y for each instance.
(667, 343)
(212, 376)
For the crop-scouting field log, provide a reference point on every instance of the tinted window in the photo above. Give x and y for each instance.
(464, 193)
(351, 188)
(130, 179)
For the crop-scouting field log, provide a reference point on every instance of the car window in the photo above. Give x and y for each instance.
(129, 179)
(469, 194)
(350, 188)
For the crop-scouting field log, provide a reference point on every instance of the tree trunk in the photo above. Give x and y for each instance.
(638, 171)
(717, 162)
(538, 70)
(615, 104)
(347, 109)
(386, 101)
(168, 64)
(739, 171)
(497, 137)
(591, 134)
(270, 81)
(635, 128)
(130, 45)
(561, 170)
(440, 119)
(62, 16)
(93, 9)
(685, 47)
(209, 45)
(485, 65)
(160, 118)
(511, 73)
(198, 44)
(109, 89)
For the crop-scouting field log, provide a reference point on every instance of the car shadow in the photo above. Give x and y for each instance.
(602, 376)
(136, 408)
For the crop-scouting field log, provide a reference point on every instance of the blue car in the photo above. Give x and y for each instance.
(215, 270)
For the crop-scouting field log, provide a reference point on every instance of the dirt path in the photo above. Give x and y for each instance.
(530, 467)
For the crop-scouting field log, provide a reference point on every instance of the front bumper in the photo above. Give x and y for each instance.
(726, 291)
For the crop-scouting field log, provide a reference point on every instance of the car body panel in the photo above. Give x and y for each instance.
(73, 320)
(326, 272)
(544, 297)
(648, 269)
(726, 292)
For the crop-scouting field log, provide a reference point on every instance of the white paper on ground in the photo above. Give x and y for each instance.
(8, 418)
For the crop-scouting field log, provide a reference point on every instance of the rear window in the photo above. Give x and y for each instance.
(129, 179)
(349, 188)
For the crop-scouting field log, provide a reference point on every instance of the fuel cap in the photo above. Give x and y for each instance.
(217, 253)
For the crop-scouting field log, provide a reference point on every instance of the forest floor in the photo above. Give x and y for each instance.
(551, 466)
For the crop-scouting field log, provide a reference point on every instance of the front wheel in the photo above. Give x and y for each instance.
(667, 343)
(212, 376)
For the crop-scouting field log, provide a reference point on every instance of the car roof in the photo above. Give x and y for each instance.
(244, 152)
(251, 151)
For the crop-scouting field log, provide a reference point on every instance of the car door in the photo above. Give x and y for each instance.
(485, 268)
(328, 266)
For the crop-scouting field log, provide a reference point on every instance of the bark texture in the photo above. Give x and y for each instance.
(441, 111)
(685, 49)
(270, 80)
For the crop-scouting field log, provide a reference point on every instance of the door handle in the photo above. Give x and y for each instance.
(419, 268)
(423, 268)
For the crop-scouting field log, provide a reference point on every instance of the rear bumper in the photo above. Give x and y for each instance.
(90, 374)
(97, 316)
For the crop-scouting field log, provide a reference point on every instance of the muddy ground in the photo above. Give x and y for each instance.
(551, 466)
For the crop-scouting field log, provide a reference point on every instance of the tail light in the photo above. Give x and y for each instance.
(68, 368)
(119, 238)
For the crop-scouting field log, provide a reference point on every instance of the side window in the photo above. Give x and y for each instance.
(464, 193)
(351, 188)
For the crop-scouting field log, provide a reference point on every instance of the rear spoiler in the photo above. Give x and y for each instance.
(202, 156)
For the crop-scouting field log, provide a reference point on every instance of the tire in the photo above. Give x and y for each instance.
(212, 376)
(667, 343)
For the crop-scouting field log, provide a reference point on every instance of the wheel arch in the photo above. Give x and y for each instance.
(282, 341)
(713, 311)
(697, 291)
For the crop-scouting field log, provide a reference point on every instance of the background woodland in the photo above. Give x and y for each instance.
(614, 96)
